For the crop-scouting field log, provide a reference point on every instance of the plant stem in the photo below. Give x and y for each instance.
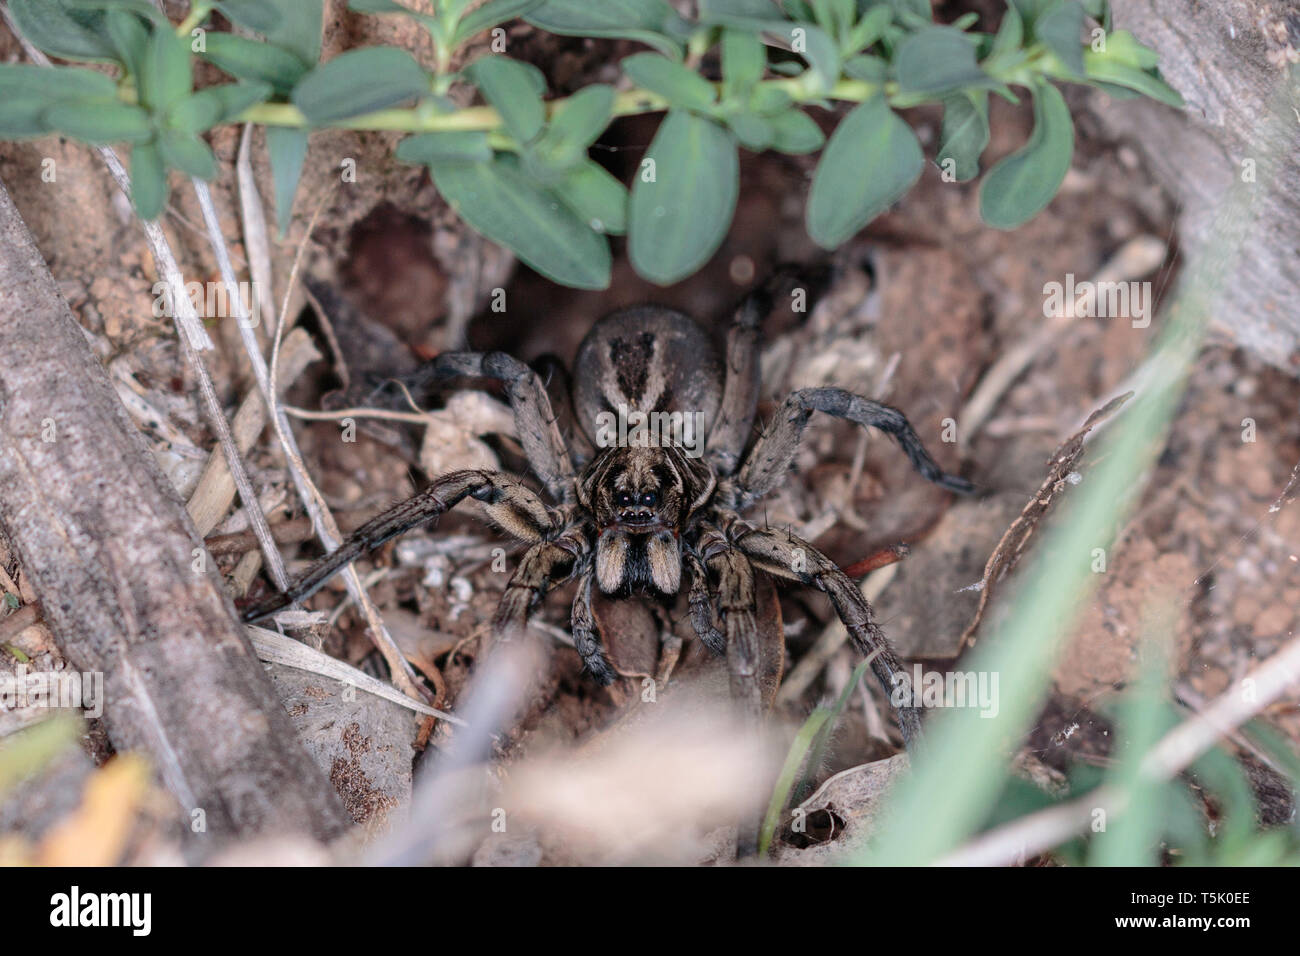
(199, 11)
(420, 119)
(485, 118)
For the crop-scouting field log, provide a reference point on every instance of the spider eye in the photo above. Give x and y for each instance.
(623, 499)
(650, 499)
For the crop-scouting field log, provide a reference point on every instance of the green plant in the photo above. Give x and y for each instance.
(960, 779)
(517, 169)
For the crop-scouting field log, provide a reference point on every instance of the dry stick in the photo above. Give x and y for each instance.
(1135, 258)
(326, 528)
(326, 324)
(256, 241)
(413, 418)
(274, 562)
(494, 695)
(323, 523)
(191, 333)
(1193, 703)
(289, 531)
(212, 496)
(1040, 832)
(110, 552)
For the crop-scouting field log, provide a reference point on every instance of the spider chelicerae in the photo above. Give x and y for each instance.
(636, 512)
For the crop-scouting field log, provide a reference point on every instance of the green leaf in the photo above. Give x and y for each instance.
(200, 111)
(1022, 184)
(872, 159)
(259, 62)
(504, 205)
(143, 8)
(597, 197)
(799, 10)
(796, 133)
(100, 122)
(129, 38)
(822, 53)
(165, 77)
(965, 21)
(584, 116)
(564, 142)
(935, 59)
(743, 62)
(237, 97)
(251, 13)
(786, 67)
(754, 132)
(378, 6)
(450, 146)
(29, 91)
(769, 100)
(681, 87)
(916, 11)
(287, 149)
(448, 11)
(148, 181)
(1099, 10)
(299, 29)
(836, 17)
(869, 29)
(512, 88)
(1101, 69)
(188, 153)
(652, 22)
(55, 83)
(357, 82)
(254, 14)
(203, 110)
(965, 133)
(744, 14)
(869, 69)
(60, 30)
(1060, 29)
(1124, 47)
(1031, 10)
(679, 216)
(22, 117)
(489, 15)
(1011, 33)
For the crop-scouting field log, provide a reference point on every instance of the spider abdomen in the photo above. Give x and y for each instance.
(647, 359)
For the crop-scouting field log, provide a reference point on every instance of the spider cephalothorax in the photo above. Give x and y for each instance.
(645, 464)
(641, 500)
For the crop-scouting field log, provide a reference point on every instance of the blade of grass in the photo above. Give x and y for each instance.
(960, 774)
(789, 772)
(823, 739)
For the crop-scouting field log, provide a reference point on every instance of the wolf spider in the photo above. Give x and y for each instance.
(643, 518)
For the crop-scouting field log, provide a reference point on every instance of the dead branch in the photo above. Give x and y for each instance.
(119, 570)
